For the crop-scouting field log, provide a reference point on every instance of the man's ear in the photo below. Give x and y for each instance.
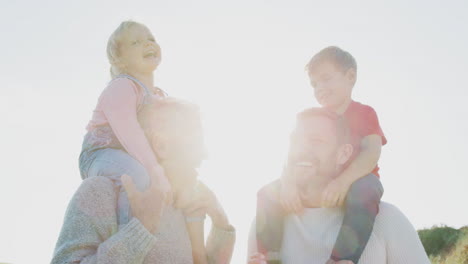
(344, 153)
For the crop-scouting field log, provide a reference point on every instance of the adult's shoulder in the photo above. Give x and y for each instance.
(96, 186)
(391, 220)
(388, 210)
(96, 195)
(399, 237)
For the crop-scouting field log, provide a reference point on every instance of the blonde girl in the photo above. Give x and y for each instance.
(115, 143)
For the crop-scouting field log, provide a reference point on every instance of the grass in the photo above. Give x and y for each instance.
(445, 245)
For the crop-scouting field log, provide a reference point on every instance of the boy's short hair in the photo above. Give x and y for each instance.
(342, 59)
(343, 133)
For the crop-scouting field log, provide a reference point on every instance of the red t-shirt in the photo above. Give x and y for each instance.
(363, 122)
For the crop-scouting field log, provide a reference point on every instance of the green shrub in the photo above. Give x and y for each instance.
(439, 239)
(440, 246)
(459, 254)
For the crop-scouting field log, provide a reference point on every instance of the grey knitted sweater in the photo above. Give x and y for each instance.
(90, 233)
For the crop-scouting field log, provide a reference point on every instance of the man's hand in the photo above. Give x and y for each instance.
(205, 202)
(258, 258)
(289, 197)
(334, 194)
(146, 206)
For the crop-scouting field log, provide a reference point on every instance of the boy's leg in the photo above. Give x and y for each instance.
(114, 163)
(269, 222)
(361, 208)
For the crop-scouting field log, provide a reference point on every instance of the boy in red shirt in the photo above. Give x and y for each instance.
(332, 74)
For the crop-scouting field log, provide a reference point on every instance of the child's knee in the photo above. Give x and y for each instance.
(367, 190)
(262, 193)
(138, 174)
(268, 192)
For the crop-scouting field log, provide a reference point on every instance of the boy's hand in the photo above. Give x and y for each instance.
(290, 199)
(335, 193)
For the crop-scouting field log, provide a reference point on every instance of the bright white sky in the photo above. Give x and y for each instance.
(243, 63)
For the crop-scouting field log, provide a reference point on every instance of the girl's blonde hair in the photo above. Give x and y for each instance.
(113, 47)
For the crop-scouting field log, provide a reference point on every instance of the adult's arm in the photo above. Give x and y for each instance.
(252, 242)
(221, 239)
(119, 103)
(220, 244)
(402, 242)
(222, 236)
(253, 256)
(90, 234)
(197, 239)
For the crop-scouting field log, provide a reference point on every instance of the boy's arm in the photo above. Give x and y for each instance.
(370, 148)
(365, 161)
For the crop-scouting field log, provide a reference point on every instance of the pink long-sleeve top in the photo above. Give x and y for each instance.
(117, 106)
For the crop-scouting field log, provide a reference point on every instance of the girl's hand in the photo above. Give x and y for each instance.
(257, 259)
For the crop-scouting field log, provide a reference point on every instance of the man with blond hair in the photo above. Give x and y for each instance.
(157, 232)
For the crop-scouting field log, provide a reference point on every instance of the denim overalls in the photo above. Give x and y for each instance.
(103, 155)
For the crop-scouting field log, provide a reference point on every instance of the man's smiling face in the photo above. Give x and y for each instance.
(314, 148)
(319, 148)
